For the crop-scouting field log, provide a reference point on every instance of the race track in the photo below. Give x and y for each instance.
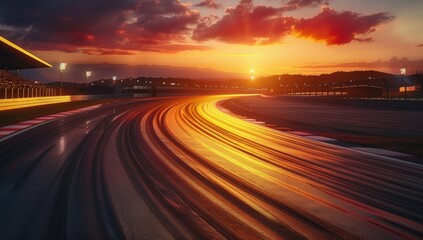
(181, 168)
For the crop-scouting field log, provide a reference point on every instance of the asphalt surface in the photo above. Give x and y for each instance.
(394, 129)
(181, 168)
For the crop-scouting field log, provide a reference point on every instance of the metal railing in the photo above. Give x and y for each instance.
(27, 92)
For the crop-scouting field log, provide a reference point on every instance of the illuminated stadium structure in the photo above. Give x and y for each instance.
(12, 59)
(16, 91)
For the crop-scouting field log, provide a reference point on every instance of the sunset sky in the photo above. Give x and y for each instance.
(272, 36)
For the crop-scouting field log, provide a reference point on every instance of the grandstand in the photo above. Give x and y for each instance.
(12, 85)
(17, 91)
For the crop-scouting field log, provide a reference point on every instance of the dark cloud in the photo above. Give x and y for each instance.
(209, 4)
(336, 28)
(108, 24)
(171, 48)
(297, 4)
(92, 51)
(52, 47)
(420, 45)
(154, 7)
(209, 20)
(64, 22)
(247, 24)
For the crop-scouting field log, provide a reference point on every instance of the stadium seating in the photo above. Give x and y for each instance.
(14, 86)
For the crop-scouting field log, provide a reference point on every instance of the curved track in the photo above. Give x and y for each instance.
(181, 168)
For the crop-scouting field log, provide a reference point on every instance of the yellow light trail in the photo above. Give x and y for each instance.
(9, 43)
(263, 182)
(14, 103)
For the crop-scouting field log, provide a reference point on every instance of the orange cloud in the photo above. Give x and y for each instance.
(336, 28)
(209, 4)
(249, 24)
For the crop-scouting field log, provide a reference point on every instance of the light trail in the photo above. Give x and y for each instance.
(14, 103)
(296, 187)
(182, 168)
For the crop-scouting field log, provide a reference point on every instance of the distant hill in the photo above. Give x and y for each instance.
(323, 78)
(76, 72)
(339, 76)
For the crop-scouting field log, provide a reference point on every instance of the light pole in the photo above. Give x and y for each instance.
(252, 77)
(114, 80)
(87, 74)
(280, 91)
(403, 73)
(114, 84)
(62, 68)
